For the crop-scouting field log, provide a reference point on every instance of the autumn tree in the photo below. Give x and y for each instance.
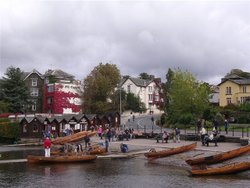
(99, 87)
(14, 93)
(188, 98)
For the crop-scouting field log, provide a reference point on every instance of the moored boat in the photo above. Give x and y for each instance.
(60, 158)
(95, 151)
(227, 169)
(219, 157)
(172, 151)
(98, 151)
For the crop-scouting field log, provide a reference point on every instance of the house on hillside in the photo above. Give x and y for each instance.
(61, 93)
(215, 95)
(34, 81)
(149, 91)
(234, 90)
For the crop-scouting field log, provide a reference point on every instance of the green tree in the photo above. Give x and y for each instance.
(14, 92)
(99, 87)
(188, 98)
(166, 88)
(116, 97)
(134, 103)
(146, 76)
(4, 107)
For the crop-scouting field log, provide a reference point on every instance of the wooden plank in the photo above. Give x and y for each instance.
(13, 161)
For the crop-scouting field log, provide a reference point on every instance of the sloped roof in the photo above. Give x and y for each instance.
(237, 81)
(137, 81)
(27, 74)
(90, 116)
(58, 74)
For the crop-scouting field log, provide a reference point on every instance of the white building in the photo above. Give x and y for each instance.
(215, 95)
(149, 91)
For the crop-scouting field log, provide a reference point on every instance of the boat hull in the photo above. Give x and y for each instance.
(227, 169)
(73, 138)
(168, 152)
(219, 157)
(60, 159)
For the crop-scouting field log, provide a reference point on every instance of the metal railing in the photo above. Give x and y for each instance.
(234, 131)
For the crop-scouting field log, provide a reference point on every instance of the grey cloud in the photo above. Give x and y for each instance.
(205, 38)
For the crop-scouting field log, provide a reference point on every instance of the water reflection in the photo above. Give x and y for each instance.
(136, 172)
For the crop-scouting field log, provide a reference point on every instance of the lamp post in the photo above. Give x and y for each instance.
(120, 106)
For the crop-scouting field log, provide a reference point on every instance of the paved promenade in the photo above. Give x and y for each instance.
(146, 144)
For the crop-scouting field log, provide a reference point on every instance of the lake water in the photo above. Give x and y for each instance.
(135, 172)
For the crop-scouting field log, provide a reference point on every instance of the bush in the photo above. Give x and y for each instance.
(185, 119)
(243, 119)
(9, 129)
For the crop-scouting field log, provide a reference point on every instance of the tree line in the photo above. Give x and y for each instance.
(185, 98)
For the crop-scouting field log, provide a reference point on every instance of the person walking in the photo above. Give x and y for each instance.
(165, 137)
(106, 144)
(86, 140)
(47, 145)
(178, 134)
(174, 135)
(203, 133)
(226, 126)
(100, 131)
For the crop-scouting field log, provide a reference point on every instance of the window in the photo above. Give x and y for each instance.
(228, 91)
(33, 107)
(229, 101)
(129, 89)
(150, 88)
(35, 128)
(156, 98)
(25, 128)
(244, 99)
(34, 82)
(150, 97)
(50, 88)
(49, 100)
(34, 92)
(244, 89)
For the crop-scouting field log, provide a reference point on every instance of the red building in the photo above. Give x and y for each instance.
(61, 93)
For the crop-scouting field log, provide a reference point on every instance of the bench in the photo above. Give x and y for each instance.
(214, 140)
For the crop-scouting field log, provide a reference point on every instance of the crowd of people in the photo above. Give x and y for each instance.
(215, 133)
(108, 135)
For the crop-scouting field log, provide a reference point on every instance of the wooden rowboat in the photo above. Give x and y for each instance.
(227, 169)
(95, 151)
(165, 153)
(98, 151)
(219, 157)
(65, 139)
(61, 159)
(73, 138)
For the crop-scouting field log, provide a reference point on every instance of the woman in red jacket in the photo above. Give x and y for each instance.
(47, 145)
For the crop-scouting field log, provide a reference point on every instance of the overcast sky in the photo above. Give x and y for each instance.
(207, 38)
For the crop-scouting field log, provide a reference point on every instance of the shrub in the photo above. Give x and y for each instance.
(9, 129)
